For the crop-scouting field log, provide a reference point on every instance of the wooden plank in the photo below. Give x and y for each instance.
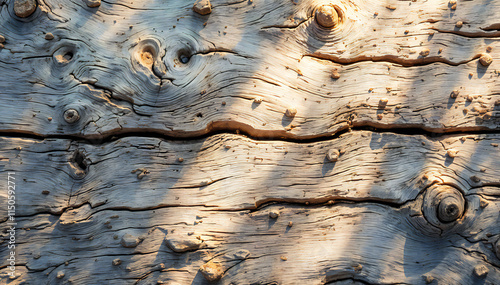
(116, 120)
(365, 242)
(145, 173)
(272, 50)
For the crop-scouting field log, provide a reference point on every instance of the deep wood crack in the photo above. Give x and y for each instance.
(231, 127)
(420, 61)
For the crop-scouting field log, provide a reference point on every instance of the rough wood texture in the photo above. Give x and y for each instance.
(247, 142)
(134, 77)
(374, 229)
(138, 173)
(366, 242)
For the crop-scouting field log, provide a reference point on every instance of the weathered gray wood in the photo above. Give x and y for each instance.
(377, 188)
(365, 207)
(265, 49)
(141, 173)
(363, 241)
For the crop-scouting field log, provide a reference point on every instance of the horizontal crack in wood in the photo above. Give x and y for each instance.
(420, 61)
(291, 27)
(259, 205)
(232, 127)
(470, 34)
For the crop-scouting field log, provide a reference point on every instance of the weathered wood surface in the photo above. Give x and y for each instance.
(231, 172)
(375, 218)
(273, 50)
(119, 197)
(366, 242)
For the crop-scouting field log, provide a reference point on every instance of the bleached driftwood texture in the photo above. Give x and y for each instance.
(119, 120)
(121, 66)
(230, 172)
(360, 218)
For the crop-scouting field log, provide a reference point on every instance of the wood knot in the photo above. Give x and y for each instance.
(240, 254)
(49, 36)
(443, 204)
(452, 153)
(327, 16)
(24, 8)
(274, 214)
(453, 4)
(148, 53)
(333, 155)
(454, 94)
(79, 165)
(291, 112)
(147, 56)
(71, 116)
(64, 55)
(383, 103)
(116, 262)
(475, 179)
(212, 271)
(428, 279)
(424, 52)
(129, 241)
(92, 3)
(335, 73)
(141, 172)
(483, 203)
(357, 267)
(485, 59)
(202, 7)
(481, 271)
(184, 243)
(450, 208)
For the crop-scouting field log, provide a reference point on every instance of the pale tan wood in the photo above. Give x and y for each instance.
(377, 188)
(371, 243)
(270, 50)
(234, 173)
(146, 207)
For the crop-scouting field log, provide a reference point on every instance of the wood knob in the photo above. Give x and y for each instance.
(212, 271)
(92, 3)
(327, 16)
(71, 116)
(450, 208)
(24, 8)
(443, 204)
(202, 7)
(485, 59)
(291, 112)
(148, 55)
(333, 155)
